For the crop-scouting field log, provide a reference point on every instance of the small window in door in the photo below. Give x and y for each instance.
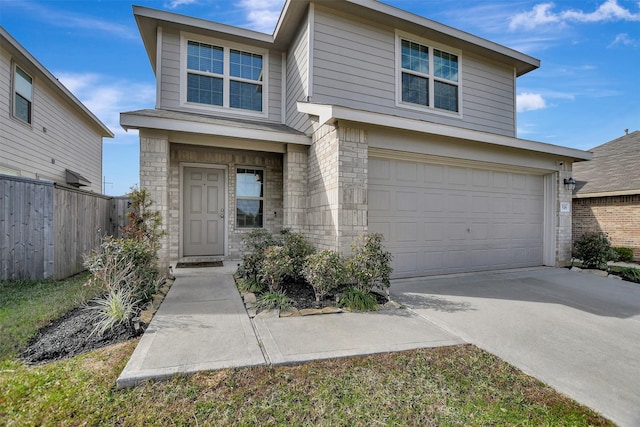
(249, 198)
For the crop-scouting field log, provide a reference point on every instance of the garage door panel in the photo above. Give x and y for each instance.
(440, 219)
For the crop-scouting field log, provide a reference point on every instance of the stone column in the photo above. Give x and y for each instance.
(295, 187)
(154, 176)
(564, 241)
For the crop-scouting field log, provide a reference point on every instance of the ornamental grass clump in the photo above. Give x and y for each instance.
(324, 271)
(273, 300)
(357, 299)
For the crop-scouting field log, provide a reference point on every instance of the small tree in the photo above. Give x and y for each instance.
(370, 265)
(144, 224)
(593, 249)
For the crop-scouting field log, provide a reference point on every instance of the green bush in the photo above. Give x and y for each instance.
(624, 254)
(297, 249)
(593, 249)
(357, 299)
(324, 271)
(249, 284)
(276, 266)
(255, 243)
(273, 300)
(370, 265)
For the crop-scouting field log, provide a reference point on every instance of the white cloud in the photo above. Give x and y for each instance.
(107, 96)
(543, 14)
(624, 40)
(262, 14)
(528, 101)
(174, 4)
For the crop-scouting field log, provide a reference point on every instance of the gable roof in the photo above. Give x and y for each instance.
(16, 49)
(613, 171)
(293, 14)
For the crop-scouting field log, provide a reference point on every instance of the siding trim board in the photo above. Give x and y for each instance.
(332, 113)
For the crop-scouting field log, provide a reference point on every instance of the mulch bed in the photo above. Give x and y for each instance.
(303, 296)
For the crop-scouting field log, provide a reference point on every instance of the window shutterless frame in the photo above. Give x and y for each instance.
(222, 76)
(250, 192)
(428, 76)
(22, 108)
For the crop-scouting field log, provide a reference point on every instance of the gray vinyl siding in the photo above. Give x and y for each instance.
(69, 141)
(354, 66)
(170, 81)
(298, 79)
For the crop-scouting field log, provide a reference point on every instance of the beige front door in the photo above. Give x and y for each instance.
(204, 212)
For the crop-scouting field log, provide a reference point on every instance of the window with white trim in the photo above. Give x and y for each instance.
(249, 198)
(428, 77)
(226, 77)
(22, 95)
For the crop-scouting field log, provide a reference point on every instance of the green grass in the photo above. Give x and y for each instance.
(450, 386)
(26, 306)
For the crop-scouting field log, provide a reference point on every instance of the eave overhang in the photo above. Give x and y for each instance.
(332, 113)
(212, 126)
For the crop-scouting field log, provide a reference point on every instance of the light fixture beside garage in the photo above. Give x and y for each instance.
(570, 184)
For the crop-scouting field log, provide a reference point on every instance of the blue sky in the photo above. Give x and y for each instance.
(586, 92)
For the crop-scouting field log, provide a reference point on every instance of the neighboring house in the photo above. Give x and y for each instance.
(353, 117)
(607, 194)
(46, 133)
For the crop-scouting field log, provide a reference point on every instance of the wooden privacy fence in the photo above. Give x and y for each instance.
(45, 228)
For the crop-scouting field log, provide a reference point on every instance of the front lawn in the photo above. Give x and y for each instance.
(458, 385)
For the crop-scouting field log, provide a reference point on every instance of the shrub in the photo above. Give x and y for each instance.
(297, 249)
(624, 254)
(273, 300)
(357, 299)
(144, 223)
(276, 266)
(370, 265)
(593, 249)
(255, 243)
(324, 271)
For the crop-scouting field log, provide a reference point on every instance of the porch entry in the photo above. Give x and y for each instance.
(204, 212)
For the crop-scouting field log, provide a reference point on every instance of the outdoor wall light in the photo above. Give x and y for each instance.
(570, 184)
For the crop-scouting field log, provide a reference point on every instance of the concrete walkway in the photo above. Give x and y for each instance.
(203, 325)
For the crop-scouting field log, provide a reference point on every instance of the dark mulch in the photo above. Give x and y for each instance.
(70, 335)
(303, 296)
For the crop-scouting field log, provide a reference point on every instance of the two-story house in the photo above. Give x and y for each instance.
(45, 131)
(353, 116)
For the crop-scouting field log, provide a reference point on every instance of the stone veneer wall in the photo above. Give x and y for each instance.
(337, 187)
(617, 216)
(232, 159)
(563, 227)
(154, 168)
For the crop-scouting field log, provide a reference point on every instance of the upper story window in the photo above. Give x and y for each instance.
(23, 95)
(428, 76)
(224, 76)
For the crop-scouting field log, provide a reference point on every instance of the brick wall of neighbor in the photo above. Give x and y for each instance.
(272, 163)
(337, 187)
(617, 216)
(154, 168)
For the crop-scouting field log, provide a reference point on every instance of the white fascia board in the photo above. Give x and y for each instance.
(133, 121)
(332, 113)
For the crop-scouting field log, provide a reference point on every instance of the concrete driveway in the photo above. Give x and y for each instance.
(577, 332)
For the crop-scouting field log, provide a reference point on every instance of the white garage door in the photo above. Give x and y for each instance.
(440, 219)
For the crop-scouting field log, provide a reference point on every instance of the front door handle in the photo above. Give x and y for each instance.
(221, 213)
